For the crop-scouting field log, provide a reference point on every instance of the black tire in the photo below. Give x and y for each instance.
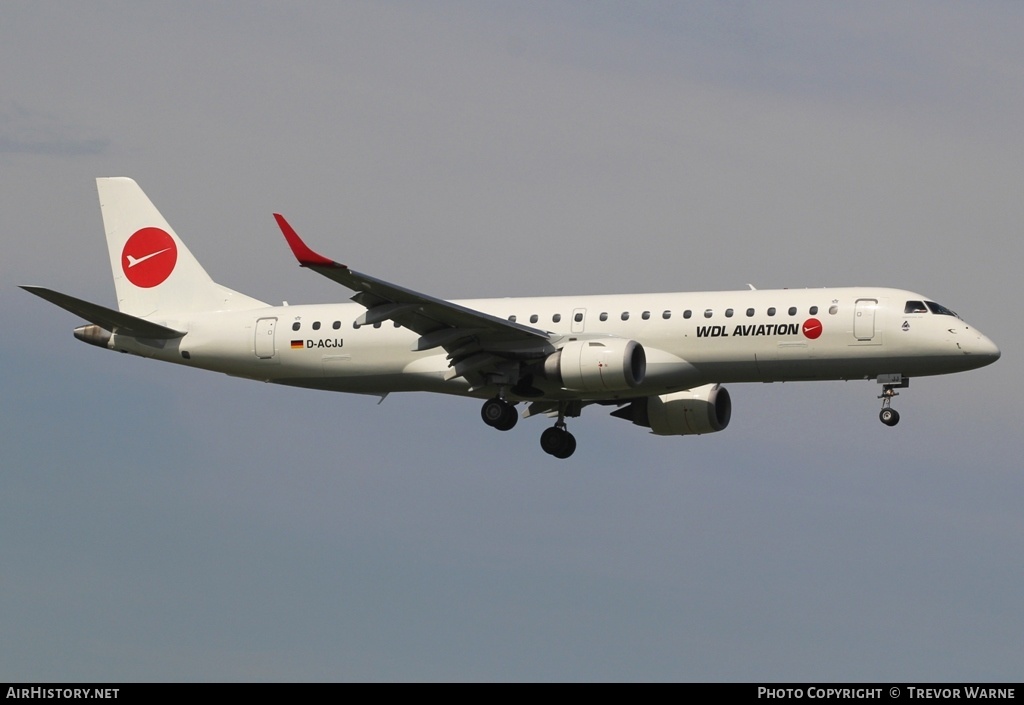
(890, 417)
(568, 446)
(492, 412)
(509, 418)
(499, 414)
(552, 440)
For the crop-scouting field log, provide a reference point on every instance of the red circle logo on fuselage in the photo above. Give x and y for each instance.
(812, 328)
(148, 257)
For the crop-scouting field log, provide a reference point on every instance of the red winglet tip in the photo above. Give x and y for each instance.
(300, 249)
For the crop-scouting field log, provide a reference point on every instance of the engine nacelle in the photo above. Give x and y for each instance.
(94, 335)
(600, 365)
(699, 410)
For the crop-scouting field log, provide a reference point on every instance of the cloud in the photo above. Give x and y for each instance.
(31, 132)
(55, 147)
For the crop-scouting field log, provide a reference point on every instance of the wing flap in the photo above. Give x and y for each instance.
(383, 312)
(444, 338)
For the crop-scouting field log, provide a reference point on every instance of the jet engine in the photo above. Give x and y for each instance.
(601, 365)
(699, 410)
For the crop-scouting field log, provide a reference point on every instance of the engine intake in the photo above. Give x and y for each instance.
(603, 365)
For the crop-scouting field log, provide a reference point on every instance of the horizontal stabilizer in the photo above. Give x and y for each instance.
(114, 321)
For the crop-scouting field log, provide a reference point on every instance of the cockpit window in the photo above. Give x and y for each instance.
(915, 307)
(940, 310)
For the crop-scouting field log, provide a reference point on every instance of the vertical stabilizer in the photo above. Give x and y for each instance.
(155, 274)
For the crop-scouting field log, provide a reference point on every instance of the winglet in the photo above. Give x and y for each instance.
(306, 256)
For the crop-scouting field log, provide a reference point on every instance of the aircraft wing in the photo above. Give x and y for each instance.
(109, 319)
(475, 341)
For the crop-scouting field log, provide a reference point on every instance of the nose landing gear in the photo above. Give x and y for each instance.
(890, 383)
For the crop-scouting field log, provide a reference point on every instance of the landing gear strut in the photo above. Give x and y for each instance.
(499, 413)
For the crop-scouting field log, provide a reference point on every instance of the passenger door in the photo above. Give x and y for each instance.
(864, 319)
(265, 347)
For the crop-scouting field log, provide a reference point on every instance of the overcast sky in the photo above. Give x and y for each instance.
(160, 523)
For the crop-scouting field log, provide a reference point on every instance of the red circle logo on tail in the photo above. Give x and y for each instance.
(812, 328)
(148, 257)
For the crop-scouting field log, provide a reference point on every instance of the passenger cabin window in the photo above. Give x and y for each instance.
(814, 310)
(940, 310)
(625, 315)
(534, 318)
(316, 325)
(833, 309)
(666, 315)
(646, 315)
(771, 311)
(512, 318)
(578, 317)
(603, 316)
(337, 324)
(728, 313)
(792, 310)
(687, 313)
(750, 313)
(708, 313)
(915, 307)
(296, 325)
(556, 318)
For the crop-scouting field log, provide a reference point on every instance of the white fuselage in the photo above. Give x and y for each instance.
(690, 339)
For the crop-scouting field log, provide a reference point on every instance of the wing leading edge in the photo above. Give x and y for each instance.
(478, 344)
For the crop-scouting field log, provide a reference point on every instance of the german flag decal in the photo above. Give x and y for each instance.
(297, 345)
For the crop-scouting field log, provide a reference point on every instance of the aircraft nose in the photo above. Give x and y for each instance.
(985, 349)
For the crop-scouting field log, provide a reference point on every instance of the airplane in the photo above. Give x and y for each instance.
(660, 359)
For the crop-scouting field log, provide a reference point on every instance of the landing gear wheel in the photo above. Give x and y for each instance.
(568, 446)
(558, 442)
(499, 414)
(890, 417)
(551, 440)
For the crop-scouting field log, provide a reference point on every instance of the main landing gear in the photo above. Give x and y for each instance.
(499, 413)
(557, 441)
